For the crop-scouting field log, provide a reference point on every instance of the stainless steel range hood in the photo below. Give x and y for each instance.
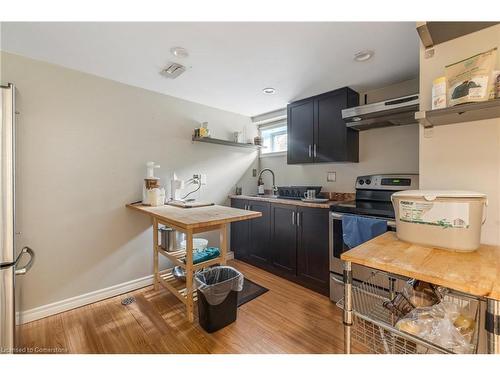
(392, 112)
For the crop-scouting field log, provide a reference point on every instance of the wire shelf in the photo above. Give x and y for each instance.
(374, 325)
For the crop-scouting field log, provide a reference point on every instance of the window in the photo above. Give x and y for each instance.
(274, 139)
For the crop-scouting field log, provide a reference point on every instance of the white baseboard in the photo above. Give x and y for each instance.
(81, 300)
(87, 298)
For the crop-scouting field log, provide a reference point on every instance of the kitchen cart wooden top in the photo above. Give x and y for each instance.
(195, 217)
(476, 273)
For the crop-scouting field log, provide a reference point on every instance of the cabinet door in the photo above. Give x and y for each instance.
(333, 141)
(312, 248)
(300, 125)
(259, 234)
(284, 238)
(239, 232)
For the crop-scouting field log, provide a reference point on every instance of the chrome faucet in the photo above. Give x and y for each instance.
(260, 182)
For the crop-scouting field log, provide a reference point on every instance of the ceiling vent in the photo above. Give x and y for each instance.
(173, 70)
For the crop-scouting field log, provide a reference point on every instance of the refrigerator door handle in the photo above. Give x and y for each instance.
(26, 268)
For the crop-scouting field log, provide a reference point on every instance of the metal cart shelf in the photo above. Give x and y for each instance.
(374, 326)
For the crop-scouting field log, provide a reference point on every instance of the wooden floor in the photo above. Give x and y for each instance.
(287, 319)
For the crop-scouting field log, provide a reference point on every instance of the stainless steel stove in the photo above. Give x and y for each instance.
(373, 199)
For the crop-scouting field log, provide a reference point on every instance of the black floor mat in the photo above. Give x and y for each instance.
(250, 291)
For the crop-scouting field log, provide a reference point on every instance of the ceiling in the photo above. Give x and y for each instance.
(229, 63)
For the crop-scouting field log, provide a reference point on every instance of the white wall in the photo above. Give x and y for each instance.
(82, 146)
(462, 156)
(384, 150)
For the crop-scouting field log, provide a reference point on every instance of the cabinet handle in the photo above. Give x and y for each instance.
(293, 217)
(314, 152)
(309, 150)
(298, 219)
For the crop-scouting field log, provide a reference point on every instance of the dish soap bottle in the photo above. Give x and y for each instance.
(260, 186)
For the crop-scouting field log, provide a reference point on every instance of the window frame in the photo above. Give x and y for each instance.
(277, 124)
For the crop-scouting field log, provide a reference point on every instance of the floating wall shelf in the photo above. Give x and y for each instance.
(224, 142)
(432, 33)
(460, 113)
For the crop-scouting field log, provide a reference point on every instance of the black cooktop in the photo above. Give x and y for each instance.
(367, 208)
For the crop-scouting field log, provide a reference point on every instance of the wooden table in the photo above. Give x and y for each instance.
(189, 221)
(475, 273)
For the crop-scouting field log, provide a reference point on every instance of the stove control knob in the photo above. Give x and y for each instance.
(368, 182)
(361, 182)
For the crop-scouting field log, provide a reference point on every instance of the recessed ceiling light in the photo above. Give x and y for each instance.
(269, 90)
(363, 55)
(179, 52)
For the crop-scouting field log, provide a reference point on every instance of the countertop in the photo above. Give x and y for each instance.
(293, 201)
(196, 217)
(476, 273)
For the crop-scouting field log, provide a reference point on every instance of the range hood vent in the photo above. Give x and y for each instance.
(392, 112)
(173, 70)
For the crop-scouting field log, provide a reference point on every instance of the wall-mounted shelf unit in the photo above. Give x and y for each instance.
(460, 113)
(224, 142)
(432, 33)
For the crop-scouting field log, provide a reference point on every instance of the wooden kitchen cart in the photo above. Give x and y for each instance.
(190, 221)
(472, 278)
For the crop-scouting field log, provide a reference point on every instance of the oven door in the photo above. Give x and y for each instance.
(337, 247)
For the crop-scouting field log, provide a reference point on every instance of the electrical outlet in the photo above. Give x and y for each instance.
(203, 178)
(331, 176)
(254, 172)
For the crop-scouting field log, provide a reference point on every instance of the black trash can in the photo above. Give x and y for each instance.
(218, 289)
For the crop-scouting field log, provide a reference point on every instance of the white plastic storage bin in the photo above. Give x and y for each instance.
(440, 218)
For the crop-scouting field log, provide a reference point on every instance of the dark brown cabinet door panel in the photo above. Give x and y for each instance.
(284, 238)
(316, 131)
(300, 125)
(312, 248)
(260, 233)
(239, 232)
(330, 135)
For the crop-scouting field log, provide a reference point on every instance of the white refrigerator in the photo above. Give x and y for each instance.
(11, 256)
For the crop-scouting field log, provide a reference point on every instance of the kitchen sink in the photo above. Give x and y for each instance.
(269, 196)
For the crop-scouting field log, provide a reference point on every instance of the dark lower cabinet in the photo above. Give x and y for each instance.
(239, 232)
(312, 248)
(250, 239)
(289, 241)
(284, 238)
(259, 233)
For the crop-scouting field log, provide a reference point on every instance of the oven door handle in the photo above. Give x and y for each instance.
(390, 223)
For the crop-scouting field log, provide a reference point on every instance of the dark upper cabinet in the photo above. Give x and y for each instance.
(316, 131)
(312, 248)
(259, 233)
(240, 232)
(300, 132)
(284, 238)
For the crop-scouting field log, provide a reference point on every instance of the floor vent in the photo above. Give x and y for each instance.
(127, 301)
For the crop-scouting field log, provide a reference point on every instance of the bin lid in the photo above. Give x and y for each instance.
(430, 195)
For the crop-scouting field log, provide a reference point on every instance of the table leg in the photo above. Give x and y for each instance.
(493, 325)
(156, 275)
(347, 307)
(189, 275)
(223, 243)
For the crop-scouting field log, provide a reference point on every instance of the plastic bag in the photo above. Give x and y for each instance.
(444, 324)
(215, 283)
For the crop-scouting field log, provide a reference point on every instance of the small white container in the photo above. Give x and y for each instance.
(450, 220)
(439, 93)
(198, 243)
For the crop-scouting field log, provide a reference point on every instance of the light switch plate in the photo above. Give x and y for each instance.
(331, 176)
